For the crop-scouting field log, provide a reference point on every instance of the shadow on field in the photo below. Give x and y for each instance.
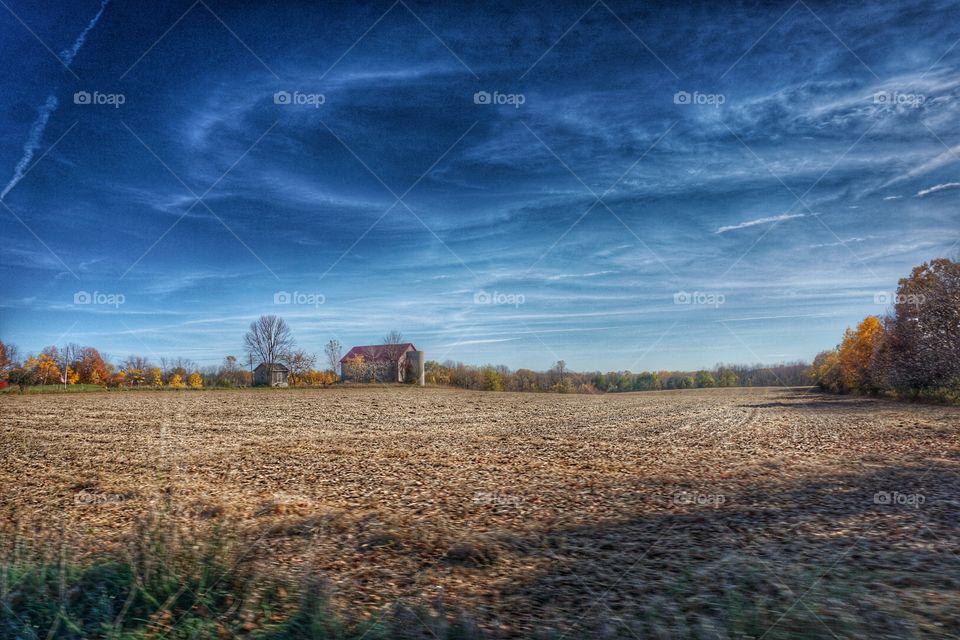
(870, 554)
(806, 399)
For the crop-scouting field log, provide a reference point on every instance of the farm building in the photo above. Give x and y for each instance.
(270, 375)
(383, 363)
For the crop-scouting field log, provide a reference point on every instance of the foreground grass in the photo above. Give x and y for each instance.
(166, 585)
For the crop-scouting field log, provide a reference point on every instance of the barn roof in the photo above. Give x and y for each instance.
(378, 352)
(275, 366)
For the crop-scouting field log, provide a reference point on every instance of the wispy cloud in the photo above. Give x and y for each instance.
(938, 187)
(842, 243)
(485, 341)
(758, 221)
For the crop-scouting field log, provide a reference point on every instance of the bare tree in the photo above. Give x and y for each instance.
(561, 367)
(69, 354)
(9, 358)
(300, 363)
(334, 351)
(269, 339)
(393, 337)
(230, 371)
(393, 342)
(139, 363)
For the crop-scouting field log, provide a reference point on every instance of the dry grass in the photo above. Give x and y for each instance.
(703, 513)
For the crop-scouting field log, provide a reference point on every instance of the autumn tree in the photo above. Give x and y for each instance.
(230, 372)
(23, 377)
(176, 381)
(91, 366)
(355, 368)
(300, 363)
(922, 350)
(46, 366)
(118, 379)
(492, 380)
(9, 359)
(726, 378)
(156, 377)
(136, 362)
(825, 371)
(195, 381)
(704, 379)
(856, 355)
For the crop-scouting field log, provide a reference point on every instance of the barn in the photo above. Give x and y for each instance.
(383, 363)
(271, 374)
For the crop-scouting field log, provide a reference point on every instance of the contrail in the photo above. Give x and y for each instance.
(46, 110)
(67, 55)
(32, 143)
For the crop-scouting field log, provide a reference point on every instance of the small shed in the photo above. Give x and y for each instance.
(272, 374)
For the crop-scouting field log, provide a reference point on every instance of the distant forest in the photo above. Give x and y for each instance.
(560, 380)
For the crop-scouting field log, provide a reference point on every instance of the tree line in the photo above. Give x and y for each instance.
(269, 339)
(912, 352)
(560, 380)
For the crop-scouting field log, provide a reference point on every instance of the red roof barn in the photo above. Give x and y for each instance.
(382, 363)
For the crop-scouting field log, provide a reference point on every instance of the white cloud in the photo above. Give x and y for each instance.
(947, 157)
(938, 187)
(893, 197)
(488, 341)
(753, 223)
(842, 242)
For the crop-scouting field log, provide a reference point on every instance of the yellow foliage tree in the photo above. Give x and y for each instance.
(72, 376)
(157, 375)
(355, 367)
(825, 371)
(48, 372)
(195, 380)
(856, 351)
(176, 382)
(317, 378)
(135, 377)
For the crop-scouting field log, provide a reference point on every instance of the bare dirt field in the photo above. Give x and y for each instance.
(759, 512)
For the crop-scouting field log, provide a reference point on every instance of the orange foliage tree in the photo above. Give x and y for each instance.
(856, 355)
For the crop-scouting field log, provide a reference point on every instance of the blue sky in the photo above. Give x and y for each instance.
(621, 185)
